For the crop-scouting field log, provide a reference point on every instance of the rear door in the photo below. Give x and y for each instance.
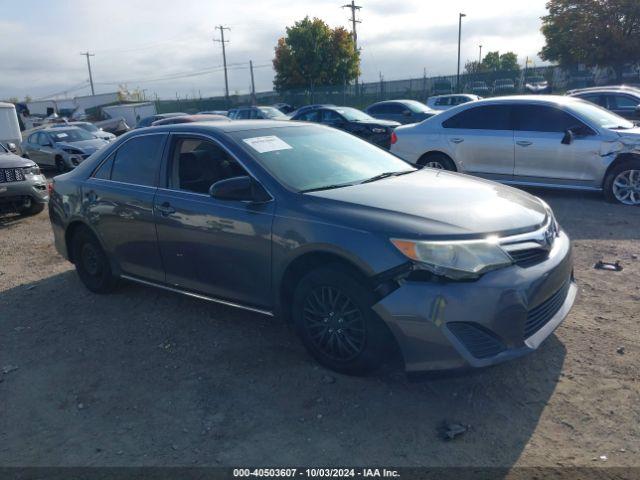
(218, 247)
(540, 155)
(480, 140)
(119, 198)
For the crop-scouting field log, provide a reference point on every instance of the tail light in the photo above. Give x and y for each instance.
(394, 138)
(50, 187)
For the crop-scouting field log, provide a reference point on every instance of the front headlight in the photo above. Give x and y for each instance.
(458, 260)
(32, 170)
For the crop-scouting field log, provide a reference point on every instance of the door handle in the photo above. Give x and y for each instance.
(457, 140)
(523, 143)
(165, 209)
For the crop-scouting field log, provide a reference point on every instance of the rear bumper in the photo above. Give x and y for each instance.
(503, 315)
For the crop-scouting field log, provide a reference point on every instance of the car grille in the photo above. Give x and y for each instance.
(529, 257)
(539, 316)
(480, 342)
(8, 175)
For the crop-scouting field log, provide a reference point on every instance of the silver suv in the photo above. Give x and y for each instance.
(23, 189)
(547, 141)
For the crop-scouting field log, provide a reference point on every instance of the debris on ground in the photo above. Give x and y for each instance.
(450, 430)
(613, 267)
(620, 350)
(9, 368)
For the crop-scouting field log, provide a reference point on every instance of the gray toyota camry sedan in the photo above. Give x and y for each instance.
(363, 254)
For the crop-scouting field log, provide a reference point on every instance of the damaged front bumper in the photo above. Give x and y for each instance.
(505, 314)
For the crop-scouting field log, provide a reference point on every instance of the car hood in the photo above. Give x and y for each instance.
(87, 146)
(433, 203)
(11, 160)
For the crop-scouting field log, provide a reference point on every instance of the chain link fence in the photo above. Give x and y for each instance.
(485, 84)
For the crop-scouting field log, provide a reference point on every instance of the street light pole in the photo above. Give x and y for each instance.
(460, 15)
(480, 55)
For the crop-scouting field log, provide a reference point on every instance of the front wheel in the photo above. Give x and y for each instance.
(333, 317)
(622, 184)
(92, 263)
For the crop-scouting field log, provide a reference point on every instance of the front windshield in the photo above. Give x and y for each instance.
(353, 114)
(599, 116)
(271, 112)
(70, 135)
(415, 106)
(89, 127)
(316, 157)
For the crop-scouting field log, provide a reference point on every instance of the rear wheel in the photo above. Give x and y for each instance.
(622, 184)
(333, 317)
(438, 161)
(92, 263)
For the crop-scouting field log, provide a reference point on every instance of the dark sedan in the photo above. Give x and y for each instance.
(359, 250)
(147, 121)
(191, 119)
(353, 121)
(402, 111)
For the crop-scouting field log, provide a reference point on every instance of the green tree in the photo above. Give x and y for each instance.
(494, 62)
(592, 32)
(313, 54)
(474, 67)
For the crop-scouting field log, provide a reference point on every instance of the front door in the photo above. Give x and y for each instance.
(118, 199)
(218, 247)
(540, 155)
(481, 140)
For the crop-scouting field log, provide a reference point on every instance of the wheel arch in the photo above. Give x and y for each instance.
(425, 157)
(627, 156)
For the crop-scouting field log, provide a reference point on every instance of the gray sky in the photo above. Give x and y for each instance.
(165, 46)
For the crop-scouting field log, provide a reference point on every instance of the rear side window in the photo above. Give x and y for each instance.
(242, 114)
(541, 118)
(104, 171)
(623, 101)
(443, 101)
(138, 160)
(490, 117)
(312, 116)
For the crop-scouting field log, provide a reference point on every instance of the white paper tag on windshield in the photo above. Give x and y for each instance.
(270, 143)
(61, 135)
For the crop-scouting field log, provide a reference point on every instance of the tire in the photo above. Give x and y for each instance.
(627, 172)
(33, 209)
(438, 161)
(92, 263)
(347, 337)
(61, 167)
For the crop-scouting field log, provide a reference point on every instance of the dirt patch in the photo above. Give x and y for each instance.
(143, 377)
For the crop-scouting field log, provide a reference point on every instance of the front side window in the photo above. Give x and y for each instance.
(197, 164)
(443, 101)
(623, 101)
(243, 114)
(488, 117)
(329, 116)
(138, 160)
(312, 157)
(43, 139)
(543, 118)
(312, 116)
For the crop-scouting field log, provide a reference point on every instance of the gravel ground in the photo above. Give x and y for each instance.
(145, 377)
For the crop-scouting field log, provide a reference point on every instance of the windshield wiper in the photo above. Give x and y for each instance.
(327, 187)
(386, 175)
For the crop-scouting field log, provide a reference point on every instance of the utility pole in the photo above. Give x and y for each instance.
(354, 8)
(222, 28)
(460, 15)
(480, 55)
(253, 84)
(87, 54)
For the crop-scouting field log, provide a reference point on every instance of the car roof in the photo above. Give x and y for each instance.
(612, 89)
(398, 100)
(226, 127)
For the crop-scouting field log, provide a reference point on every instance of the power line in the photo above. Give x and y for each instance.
(74, 88)
(87, 54)
(222, 41)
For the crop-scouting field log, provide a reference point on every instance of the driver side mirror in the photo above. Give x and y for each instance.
(12, 147)
(568, 137)
(242, 188)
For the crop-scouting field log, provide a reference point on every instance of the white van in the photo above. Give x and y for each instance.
(9, 127)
